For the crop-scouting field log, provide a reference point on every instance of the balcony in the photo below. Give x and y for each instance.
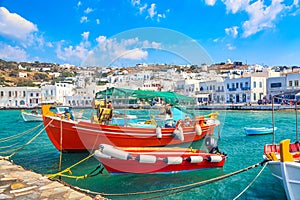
(231, 89)
(245, 88)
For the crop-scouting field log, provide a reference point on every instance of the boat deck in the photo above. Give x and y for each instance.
(19, 183)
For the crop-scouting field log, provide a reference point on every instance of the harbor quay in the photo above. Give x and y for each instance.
(19, 183)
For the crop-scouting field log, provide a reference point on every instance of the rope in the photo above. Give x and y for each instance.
(61, 173)
(20, 134)
(183, 187)
(20, 148)
(246, 188)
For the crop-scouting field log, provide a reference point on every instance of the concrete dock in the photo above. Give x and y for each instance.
(18, 183)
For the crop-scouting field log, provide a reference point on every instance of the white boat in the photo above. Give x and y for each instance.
(284, 161)
(286, 168)
(32, 116)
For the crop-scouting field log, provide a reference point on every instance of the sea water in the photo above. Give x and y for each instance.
(242, 151)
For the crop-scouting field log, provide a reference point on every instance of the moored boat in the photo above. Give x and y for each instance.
(86, 135)
(78, 135)
(32, 116)
(285, 166)
(259, 130)
(283, 160)
(148, 160)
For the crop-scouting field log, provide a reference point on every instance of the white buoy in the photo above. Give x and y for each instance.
(99, 154)
(178, 133)
(158, 132)
(173, 160)
(113, 152)
(198, 129)
(215, 158)
(146, 159)
(195, 159)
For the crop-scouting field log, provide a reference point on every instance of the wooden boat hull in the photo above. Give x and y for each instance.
(68, 135)
(284, 165)
(133, 165)
(288, 173)
(30, 117)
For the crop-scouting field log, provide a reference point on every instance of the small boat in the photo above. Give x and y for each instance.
(259, 130)
(149, 160)
(32, 116)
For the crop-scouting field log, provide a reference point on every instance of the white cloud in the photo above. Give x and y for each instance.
(142, 8)
(88, 10)
(135, 54)
(97, 21)
(74, 54)
(210, 2)
(132, 48)
(16, 53)
(230, 47)
(79, 3)
(152, 11)
(85, 35)
(16, 27)
(135, 2)
(261, 16)
(235, 5)
(83, 19)
(233, 31)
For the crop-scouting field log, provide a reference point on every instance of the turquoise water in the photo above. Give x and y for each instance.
(242, 151)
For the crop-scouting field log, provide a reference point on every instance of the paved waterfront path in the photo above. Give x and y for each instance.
(18, 183)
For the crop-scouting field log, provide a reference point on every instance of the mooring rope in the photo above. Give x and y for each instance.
(61, 173)
(181, 188)
(248, 186)
(27, 143)
(20, 134)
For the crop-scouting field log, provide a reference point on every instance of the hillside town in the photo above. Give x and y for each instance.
(29, 85)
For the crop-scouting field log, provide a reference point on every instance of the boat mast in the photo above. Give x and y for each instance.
(273, 123)
(296, 109)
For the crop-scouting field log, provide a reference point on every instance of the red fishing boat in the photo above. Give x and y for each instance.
(70, 135)
(150, 160)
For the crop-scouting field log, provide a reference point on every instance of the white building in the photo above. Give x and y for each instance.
(247, 89)
(18, 97)
(57, 93)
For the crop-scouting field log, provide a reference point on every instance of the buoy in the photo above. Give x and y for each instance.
(178, 133)
(146, 159)
(99, 154)
(158, 132)
(215, 158)
(195, 159)
(198, 129)
(173, 160)
(113, 152)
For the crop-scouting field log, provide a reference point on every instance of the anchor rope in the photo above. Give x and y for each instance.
(27, 143)
(181, 188)
(61, 173)
(248, 186)
(20, 134)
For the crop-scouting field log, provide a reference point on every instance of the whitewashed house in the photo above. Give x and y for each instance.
(246, 89)
(20, 97)
(57, 93)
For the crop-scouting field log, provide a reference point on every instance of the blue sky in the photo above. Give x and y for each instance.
(125, 32)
